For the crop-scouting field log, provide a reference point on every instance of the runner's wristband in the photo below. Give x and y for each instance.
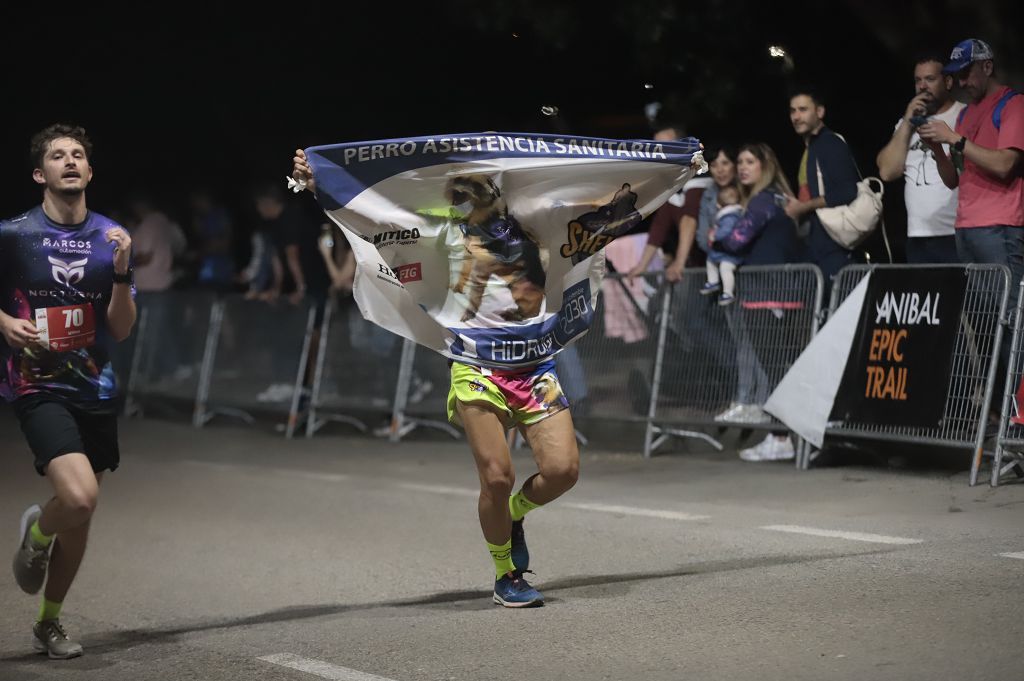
(959, 146)
(125, 278)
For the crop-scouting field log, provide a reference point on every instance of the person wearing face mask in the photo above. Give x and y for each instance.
(930, 204)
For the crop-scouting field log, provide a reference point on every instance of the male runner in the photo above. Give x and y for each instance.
(487, 401)
(65, 297)
(498, 257)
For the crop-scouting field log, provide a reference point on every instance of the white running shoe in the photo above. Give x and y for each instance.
(277, 392)
(730, 414)
(772, 448)
(753, 413)
(743, 413)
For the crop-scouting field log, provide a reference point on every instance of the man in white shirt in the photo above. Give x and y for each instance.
(931, 206)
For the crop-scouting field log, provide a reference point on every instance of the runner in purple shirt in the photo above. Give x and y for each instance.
(66, 297)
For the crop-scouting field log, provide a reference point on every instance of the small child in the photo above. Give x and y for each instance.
(720, 262)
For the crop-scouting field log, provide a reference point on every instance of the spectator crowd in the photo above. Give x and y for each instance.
(957, 143)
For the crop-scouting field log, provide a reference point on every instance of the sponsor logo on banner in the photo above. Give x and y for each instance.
(385, 273)
(410, 272)
(592, 231)
(901, 357)
(524, 344)
(400, 237)
(67, 273)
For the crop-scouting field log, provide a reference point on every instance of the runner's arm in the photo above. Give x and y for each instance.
(121, 309)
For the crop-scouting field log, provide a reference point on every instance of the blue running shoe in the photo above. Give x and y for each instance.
(710, 287)
(520, 554)
(512, 591)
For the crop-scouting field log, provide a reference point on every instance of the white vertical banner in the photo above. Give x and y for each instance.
(804, 397)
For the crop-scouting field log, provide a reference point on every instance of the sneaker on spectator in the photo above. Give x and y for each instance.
(772, 448)
(743, 413)
(276, 392)
(710, 287)
(753, 413)
(726, 299)
(733, 410)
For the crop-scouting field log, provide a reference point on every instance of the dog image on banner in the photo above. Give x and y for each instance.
(494, 244)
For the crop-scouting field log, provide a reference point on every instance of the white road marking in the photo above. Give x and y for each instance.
(633, 510)
(287, 472)
(440, 489)
(600, 508)
(1019, 555)
(324, 670)
(853, 536)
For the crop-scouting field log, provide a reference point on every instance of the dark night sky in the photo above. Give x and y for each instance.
(223, 97)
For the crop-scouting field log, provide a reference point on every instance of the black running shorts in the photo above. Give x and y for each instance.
(54, 427)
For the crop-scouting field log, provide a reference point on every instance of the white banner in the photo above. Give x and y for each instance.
(486, 247)
(804, 397)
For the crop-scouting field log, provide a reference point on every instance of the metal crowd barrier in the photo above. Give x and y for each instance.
(1009, 455)
(255, 360)
(661, 356)
(170, 342)
(421, 395)
(356, 370)
(716, 365)
(973, 371)
(607, 374)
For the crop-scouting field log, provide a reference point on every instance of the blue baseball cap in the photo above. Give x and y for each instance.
(967, 52)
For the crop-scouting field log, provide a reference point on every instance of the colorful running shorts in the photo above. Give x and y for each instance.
(521, 396)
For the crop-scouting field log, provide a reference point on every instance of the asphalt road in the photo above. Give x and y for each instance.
(231, 553)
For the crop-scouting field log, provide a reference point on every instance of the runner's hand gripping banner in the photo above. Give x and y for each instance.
(487, 247)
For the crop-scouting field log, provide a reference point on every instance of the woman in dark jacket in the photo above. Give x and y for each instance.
(765, 235)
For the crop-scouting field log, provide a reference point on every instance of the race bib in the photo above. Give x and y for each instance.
(66, 328)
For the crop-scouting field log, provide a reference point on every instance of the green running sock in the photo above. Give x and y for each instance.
(49, 610)
(39, 540)
(519, 505)
(502, 556)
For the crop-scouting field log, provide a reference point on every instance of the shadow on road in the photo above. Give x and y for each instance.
(98, 644)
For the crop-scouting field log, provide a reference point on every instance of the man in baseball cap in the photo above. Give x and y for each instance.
(986, 162)
(966, 53)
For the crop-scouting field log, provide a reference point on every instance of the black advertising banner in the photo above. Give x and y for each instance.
(898, 369)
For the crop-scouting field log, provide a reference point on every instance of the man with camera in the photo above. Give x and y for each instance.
(931, 205)
(986, 147)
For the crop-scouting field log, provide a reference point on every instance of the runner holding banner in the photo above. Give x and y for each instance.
(487, 248)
